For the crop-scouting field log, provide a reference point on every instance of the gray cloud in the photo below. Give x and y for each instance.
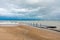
(44, 9)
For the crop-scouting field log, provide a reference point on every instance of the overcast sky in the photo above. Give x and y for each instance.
(30, 9)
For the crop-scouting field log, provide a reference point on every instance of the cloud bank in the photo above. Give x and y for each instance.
(30, 9)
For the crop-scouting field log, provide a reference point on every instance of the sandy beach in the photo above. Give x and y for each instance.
(24, 32)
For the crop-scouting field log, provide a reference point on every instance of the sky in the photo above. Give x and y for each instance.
(30, 9)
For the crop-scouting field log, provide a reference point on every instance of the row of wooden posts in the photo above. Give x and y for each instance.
(35, 24)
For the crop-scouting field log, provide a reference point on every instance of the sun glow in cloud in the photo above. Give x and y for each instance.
(32, 9)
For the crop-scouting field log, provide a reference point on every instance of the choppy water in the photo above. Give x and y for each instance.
(48, 23)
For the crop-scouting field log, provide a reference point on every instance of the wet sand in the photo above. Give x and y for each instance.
(23, 32)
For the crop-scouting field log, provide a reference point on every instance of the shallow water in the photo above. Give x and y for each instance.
(33, 23)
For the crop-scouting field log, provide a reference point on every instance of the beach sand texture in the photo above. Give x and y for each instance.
(23, 32)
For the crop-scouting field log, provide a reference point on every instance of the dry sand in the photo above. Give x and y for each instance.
(23, 32)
